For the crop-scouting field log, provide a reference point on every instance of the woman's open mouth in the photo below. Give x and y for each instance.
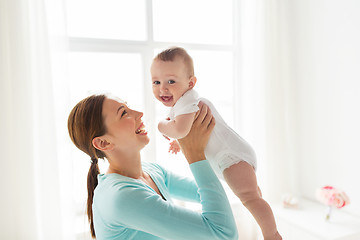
(141, 130)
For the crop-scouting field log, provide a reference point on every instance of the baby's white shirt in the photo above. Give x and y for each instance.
(225, 146)
(187, 103)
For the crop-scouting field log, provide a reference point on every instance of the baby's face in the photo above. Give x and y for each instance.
(169, 80)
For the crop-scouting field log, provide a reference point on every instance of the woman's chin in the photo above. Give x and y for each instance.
(145, 140)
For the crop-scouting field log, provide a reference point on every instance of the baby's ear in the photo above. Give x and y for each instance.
(192, 82)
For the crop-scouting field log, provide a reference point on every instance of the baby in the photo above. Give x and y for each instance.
(231, 157)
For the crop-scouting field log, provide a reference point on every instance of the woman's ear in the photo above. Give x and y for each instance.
(192, 82)
(101, 144)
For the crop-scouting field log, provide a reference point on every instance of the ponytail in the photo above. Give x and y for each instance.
(92, 182)
(85, 122)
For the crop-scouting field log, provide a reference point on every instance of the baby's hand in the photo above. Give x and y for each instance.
(174, 147)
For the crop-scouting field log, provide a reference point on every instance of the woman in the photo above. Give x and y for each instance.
(133, 199)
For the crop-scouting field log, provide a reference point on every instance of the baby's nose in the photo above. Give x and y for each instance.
(163, 88)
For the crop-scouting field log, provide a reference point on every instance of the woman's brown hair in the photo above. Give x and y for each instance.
(85, 122)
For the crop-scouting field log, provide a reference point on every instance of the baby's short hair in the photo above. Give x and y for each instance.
(171, 53)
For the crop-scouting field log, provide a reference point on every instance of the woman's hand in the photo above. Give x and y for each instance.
(193, 145)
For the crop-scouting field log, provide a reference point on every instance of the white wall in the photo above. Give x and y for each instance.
(324, 77)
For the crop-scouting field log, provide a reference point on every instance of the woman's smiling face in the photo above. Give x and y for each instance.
(124, 127)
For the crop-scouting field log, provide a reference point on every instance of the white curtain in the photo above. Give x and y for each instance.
(31, 200)
(278, 95)
(262, 99)
(265, 97)
(266, 92)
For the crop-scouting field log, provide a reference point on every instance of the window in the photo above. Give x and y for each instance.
(107, 19)
(112, 43)
(187, 21)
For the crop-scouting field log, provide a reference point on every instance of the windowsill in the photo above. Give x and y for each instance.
(309, 219)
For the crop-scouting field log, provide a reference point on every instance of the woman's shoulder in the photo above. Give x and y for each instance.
(151, 166)
(115, 191)
(113, 184)
(117, 185)
(117, 195)
(155, 170)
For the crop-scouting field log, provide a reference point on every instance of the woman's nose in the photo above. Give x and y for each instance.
(135, 113)
(138, 114)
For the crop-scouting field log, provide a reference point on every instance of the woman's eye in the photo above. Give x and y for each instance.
(123, 113)
(156, 82)
(171, 81)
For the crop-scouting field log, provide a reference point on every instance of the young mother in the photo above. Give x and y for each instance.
(133, 199)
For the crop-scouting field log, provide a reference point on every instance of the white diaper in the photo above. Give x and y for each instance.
(226, 159)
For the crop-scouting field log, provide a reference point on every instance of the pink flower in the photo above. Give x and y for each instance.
(333, 197)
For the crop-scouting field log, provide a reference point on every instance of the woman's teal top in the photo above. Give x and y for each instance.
(127, 208)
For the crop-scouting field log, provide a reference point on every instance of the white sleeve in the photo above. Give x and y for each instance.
(188, 103)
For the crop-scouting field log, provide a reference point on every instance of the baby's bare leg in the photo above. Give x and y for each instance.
(242, 180)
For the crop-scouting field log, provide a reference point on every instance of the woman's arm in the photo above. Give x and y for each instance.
(145, 211)
(177, 128)
(180, 187)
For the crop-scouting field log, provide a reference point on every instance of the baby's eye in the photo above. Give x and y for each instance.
(171, 81)
(156, 82)
(123, 113)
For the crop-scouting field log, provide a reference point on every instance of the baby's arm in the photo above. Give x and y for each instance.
(177, 128)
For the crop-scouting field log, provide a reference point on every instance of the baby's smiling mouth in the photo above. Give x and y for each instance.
(166, 98)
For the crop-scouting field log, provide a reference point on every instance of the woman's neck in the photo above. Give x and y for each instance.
(128, 165)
